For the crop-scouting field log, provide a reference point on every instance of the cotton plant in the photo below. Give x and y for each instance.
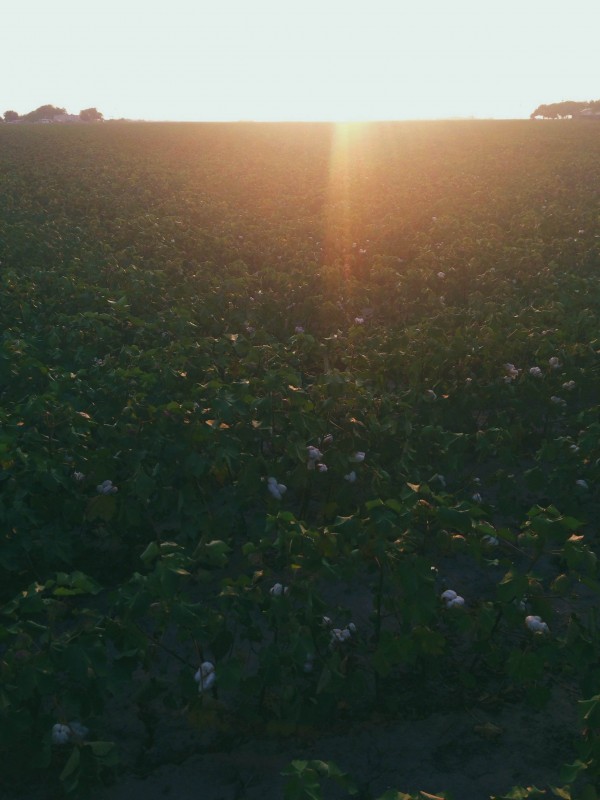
(278, 589)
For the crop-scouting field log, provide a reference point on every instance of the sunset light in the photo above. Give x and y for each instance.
(325, 60)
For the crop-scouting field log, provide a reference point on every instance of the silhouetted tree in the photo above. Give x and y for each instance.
(10, 116)
(90, 115)
(568, 108)
(43, 112)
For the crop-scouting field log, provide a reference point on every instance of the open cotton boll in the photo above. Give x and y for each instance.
(455, 601)
(449, 594)
(106, 487)
(340, 635)
(205, 677)
(350, 477)
(536, 624)
(61, 734)
(313, 453)
(278, 589)
(276, 489)
(358, 457)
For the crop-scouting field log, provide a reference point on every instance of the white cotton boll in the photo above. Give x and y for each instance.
(205, 677)
(558, 401)
(477, 498)
(299, 329)
(350, 477)
(352, 627)
(358, 457)
(208, 682)
(573, 448)
(582, 483)
(535, 372)
(441, 275)
(322, 467)
(554, 362)
(449, 594)
(276, 590)
(536, 624)
(61, 734)
(511, 372)
(106, 487)
(359, 320)
(569, 385)
(327, 439)
(276, 489)
(456, 601)
(314, 454)
(339, 635)
(326, 622)
(78, 476)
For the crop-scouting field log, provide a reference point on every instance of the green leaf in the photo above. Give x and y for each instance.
(151, 552)
(457, 520)
(103, 750)
(72, 765)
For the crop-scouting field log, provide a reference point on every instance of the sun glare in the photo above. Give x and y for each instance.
(351, 150)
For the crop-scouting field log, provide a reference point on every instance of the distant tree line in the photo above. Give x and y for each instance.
(568, 108)
(54, 114)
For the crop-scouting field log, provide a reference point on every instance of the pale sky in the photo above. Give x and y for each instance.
(305, 59)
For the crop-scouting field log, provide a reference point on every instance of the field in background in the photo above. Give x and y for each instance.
(356, 362)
